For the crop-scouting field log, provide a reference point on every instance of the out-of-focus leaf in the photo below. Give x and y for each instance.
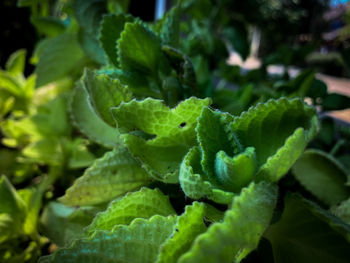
(323, 176)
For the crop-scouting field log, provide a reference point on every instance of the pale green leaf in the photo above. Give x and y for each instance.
(307, 233)
(141, 204)
(113, 175)
(105, 93)
(139, 49)
(10, 84)
(278, 130)
(323, 176)
(86, 119)
(111, 27)
(241, 229)
(188, 226)
(138, 242)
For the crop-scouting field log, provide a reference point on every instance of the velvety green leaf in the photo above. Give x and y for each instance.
(141, 204)
(169, 27)
(188, 226)
(171, 132)
(139, 49)
(111, 27)
(307, 233)
(105, 93)
(335, 101)
(213, 138)
(279, 131)
(241, 229)
(59, 222)
(235, 172)
(343, 211)
(194, 185)
(138, 242)
(113, 175)
(16, 62)
(323, 176)
(86, 119)
(169, 126)
(60, 56)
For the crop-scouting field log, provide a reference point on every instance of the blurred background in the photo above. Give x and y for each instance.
(281, 36)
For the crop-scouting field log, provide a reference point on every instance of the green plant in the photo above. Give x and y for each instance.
(172, 176)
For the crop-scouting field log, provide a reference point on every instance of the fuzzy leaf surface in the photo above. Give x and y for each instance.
(138, 242)
(86, 119)
(105, 93)
(241, 229)
(279, 131)
(188, 226)
(139, 49)
(111, 27)
(141, 204)
(116, 173)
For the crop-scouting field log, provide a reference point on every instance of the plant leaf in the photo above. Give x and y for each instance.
(279, 131)
(113, 175)
(15, 64)
(307, 233)
(323, 176)
(241, 229)
(60, 224)
(12, 210)
(59, 56)
(86, 119)
(139, 49)
(144, 203)
(105, 93)
(172, 131)
(138, 242)
(188, 226)
(111, 28)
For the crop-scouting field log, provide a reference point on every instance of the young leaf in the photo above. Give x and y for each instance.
(86, 119)
(144, 203)
(111, 27)
(138, 242)
(279, 131)
(323, 176)
(113, 175)
(139, 49)
(172, 130)
(241, 229)
(188, 226)
(307, 233)
(105, 93)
